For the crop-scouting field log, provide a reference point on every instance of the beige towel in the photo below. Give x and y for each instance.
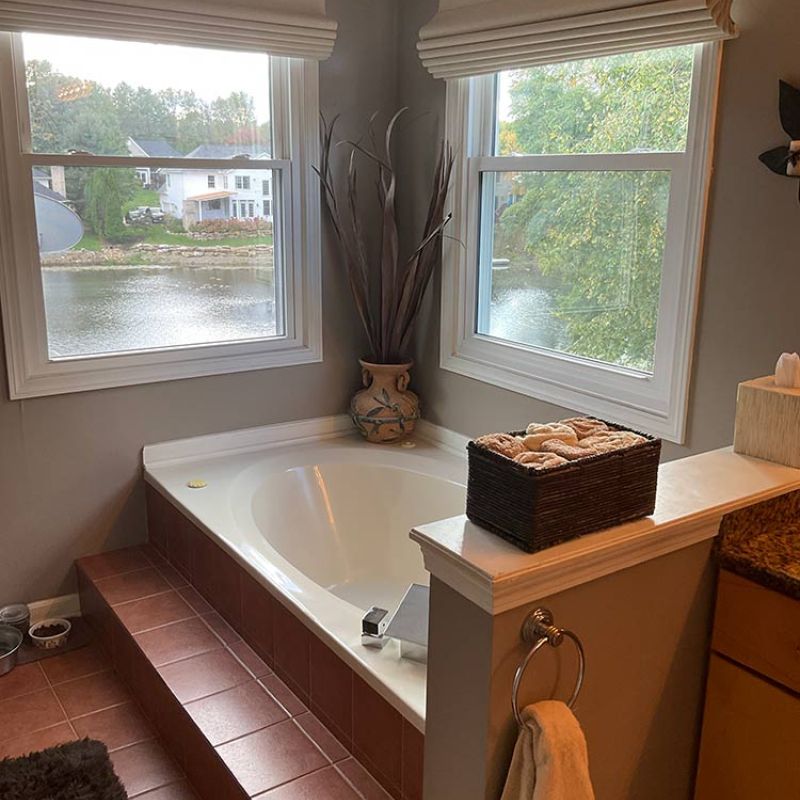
(550, 760)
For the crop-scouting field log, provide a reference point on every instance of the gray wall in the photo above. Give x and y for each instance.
(751, 270)
(69, 465)
(70, 477)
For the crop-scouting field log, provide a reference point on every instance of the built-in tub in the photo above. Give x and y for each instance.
(322, 521)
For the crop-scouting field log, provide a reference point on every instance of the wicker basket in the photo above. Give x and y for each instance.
(535, 509)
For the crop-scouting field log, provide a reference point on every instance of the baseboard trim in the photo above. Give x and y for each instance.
(67, 605)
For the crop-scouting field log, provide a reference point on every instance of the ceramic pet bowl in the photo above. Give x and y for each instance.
(50, 633)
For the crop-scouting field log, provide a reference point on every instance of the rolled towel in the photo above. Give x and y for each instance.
(550, 760)
(787, 371)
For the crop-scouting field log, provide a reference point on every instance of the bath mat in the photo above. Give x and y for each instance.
(75, 771)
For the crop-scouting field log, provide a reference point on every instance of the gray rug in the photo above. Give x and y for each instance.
(75, 771)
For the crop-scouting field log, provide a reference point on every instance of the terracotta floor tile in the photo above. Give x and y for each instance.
(363, 782)
(92, 693)
(292, 640)
(176, 641)
(75, 664)
(175, 791)
(322, 737)
(143, 767)
(270, 757)
(22, 680)
(27, 713)
(202, 675)
(131, 586)
(193, 598)
(172, 576)
(116, 727)
(250, 659)
(221, 628)
(327, 783)
(153, 612)
(114, 562)
(284, 695)
(152, 554)
(235, 712)
(31, 742)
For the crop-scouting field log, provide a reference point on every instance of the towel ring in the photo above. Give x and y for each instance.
(538, 630)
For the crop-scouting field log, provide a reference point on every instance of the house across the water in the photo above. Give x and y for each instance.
(195, 195)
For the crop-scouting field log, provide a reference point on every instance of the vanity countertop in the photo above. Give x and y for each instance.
(762, 543)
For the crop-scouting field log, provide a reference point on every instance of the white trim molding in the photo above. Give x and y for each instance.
(31, 370)
(64, 606)
(655, 402)
(693, 495)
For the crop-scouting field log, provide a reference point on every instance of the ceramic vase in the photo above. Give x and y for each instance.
(385, 410)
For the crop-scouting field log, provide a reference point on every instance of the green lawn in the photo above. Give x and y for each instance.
(142, 197)
(156, 234)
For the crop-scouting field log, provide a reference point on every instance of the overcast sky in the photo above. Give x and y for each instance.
(209, 73)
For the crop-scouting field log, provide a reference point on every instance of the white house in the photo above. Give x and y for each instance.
(195, 195)
(154, 148)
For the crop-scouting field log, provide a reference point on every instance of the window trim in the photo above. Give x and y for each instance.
(655, 403)
(295, 90)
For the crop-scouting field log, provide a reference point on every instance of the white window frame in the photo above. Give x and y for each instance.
(654, 403)
(295, 104)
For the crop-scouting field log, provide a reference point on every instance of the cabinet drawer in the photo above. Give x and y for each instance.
(759, 628)
(751, 738)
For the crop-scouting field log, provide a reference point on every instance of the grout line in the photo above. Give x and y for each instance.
(60, 704)
(134, 599)
(347, 780)
(290, 781)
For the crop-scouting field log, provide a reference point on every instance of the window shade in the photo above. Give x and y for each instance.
(298, 28)
(472, 37)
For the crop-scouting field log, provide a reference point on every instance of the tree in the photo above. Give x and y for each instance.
(106, 191)
(594, 239)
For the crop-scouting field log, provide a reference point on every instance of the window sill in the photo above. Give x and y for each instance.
(107, 371)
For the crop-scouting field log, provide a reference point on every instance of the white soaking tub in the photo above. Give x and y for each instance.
(321, 518)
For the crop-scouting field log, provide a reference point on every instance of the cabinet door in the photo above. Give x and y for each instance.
(750, 748)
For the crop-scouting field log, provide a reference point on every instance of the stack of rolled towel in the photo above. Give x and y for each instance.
(548, 445)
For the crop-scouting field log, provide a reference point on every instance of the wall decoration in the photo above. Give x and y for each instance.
(786, 160)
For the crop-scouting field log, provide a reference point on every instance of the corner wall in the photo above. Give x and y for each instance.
(70, 475)
(751, 271)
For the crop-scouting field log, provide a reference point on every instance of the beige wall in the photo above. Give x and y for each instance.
(70, 465)
(752, 265)
(645, 631)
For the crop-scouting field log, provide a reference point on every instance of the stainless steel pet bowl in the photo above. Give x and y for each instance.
(10, 641)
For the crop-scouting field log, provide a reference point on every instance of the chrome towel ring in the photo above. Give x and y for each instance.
(538, 630)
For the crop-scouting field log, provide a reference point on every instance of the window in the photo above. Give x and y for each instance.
(224, 181)
(579, 203)
(265, 188)
(242, 181)
(267, 208)
(83, 306)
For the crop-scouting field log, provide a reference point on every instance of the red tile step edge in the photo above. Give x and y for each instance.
(234, 726)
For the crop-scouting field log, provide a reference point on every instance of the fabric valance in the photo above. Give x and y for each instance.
(473, 37)
(297, 28)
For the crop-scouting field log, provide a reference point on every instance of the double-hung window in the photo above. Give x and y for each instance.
(579, 202)
(107, 281)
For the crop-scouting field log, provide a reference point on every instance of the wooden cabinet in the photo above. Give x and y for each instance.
(750, 747)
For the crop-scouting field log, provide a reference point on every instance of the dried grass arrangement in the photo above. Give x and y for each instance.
(388, 292)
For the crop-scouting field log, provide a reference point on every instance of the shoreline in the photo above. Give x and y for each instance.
(117, 267)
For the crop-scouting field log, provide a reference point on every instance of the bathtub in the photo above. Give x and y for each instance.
(322, 519)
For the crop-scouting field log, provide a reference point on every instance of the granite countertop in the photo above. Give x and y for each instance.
(762, 543)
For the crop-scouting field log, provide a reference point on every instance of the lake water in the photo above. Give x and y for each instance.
(108, 310)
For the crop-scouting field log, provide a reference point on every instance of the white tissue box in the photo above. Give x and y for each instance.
(768, 421)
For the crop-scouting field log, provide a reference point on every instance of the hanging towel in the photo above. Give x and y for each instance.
(550, 760)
